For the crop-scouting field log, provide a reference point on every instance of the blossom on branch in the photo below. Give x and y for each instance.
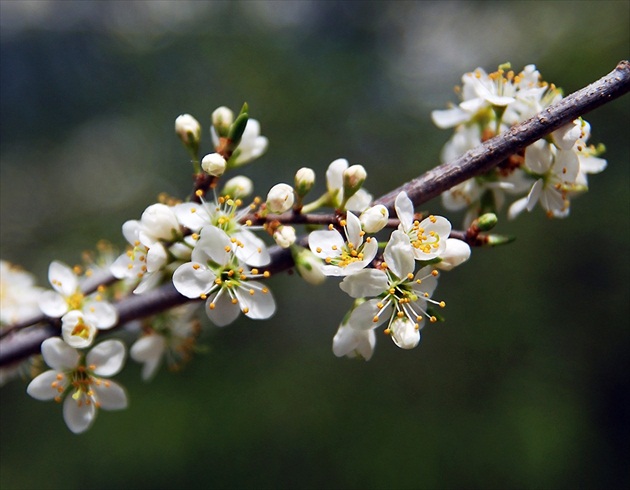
(343, 256)
(216, 275)
(80, 380)
(397, 293)
(80, 315)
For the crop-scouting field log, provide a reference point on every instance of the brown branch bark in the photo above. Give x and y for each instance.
(25, 341)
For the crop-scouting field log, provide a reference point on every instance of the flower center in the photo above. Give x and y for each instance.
(75, 301)
(422, 240)
(81, 330)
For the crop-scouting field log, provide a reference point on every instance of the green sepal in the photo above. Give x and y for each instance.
(496, 240)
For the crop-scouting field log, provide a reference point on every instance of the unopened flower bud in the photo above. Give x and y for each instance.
(188, 129)
(213, 164)
(353, 178)
(405, 334)
(280, 198)
(456, 252)
(222, 119)
(304, 181)
(284, 236)
(487, 221)
(239, 186)
(308, 265)
(374, 219)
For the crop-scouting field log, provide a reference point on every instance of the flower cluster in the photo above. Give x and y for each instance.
(548, 173)
(215, 249)
(399, 295)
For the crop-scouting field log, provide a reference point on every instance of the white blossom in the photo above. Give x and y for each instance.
(80, 315)
(226, 213)
(171, 337)
(427, 237)
(354, 343)
(81, 381)
(343, 256)
(214, 274)
(19, 296)
(397, 294)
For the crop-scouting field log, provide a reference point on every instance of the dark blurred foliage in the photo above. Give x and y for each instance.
(524, 386)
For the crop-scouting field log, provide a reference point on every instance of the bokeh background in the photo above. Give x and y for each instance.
(526, 383)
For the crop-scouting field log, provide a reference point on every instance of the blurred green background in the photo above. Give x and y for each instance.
(524, 386)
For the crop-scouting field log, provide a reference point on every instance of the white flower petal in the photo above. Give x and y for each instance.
(41, 387)
(517, 207)
(108, 357)
(131, 231)
(58, 355)
(52, 304)
(366, 282)
(449, 118)
(62, 278)
(192, 279)
(254, 252)
(192, 215)
(353, 230)
(110, 395)
(149, 281)
(538, 157)
(259, 305)
(224, 311)
(534, 194)
(404, 210)
(398, 254)
(156, 257)
(214, 244)
(351, 342)
(101, 313)
(148, 350)
(427, 285)
(362, 317)
(360, 201)
(566, 136)
(334, 176)
(326, 243)
(566, 166)
(158, 221)
(78, 417)
(455, 253)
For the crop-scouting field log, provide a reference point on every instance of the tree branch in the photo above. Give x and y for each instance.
(21, 343)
